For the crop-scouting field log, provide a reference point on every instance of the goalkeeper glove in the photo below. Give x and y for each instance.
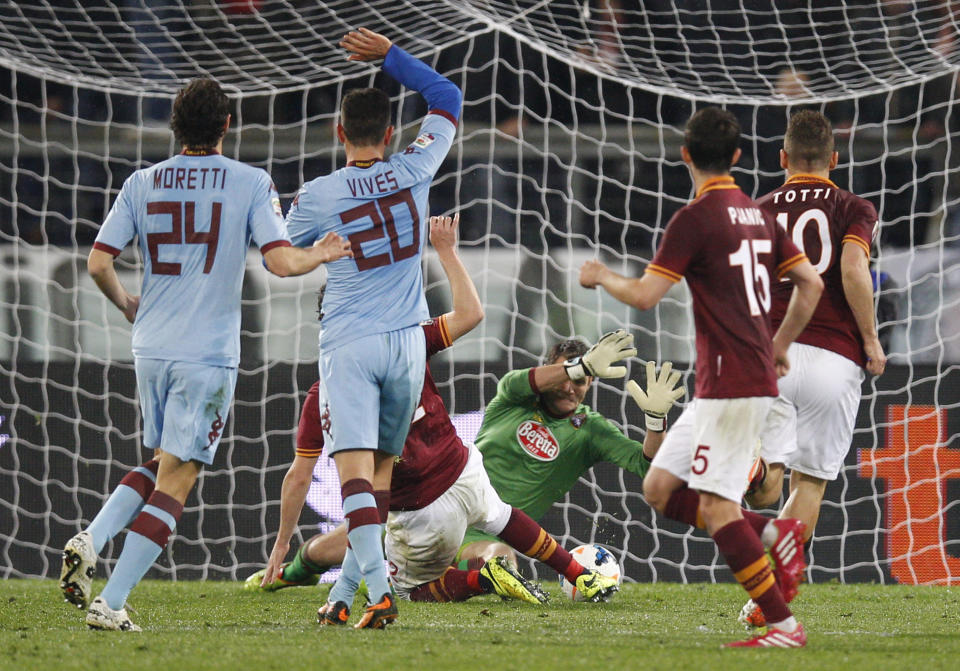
(613, 346)
(660, 395)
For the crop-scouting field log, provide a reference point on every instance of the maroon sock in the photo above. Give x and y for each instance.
(532, 540)
(684, 506)
(745, 556)
(140, 483)
(383, 503)
(453, 585)
(757, 522)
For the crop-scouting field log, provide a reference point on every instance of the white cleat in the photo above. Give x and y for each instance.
(78, 568)
(102, 616)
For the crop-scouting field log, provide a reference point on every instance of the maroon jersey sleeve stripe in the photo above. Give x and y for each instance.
(112, 251)
(532, 379)
(273, 245)
(857, 240)
(446, 115)
(444, 331)
(663, 272)
(310, 427)
(792, 262)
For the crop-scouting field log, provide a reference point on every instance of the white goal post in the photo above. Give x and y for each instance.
(568, 149)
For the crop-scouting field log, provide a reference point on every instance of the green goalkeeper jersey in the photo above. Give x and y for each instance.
(533, 459)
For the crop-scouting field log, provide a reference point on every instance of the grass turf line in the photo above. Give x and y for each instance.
(216, 626)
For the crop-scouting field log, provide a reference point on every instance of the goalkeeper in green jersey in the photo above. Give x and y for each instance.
(537, 437)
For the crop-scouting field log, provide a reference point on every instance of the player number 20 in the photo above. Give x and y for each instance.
(747, 257)
(380, 212)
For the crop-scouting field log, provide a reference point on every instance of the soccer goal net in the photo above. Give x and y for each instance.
(568, 149)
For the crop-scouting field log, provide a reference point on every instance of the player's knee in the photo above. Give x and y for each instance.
(767, 494)
(657, 492)
(326, 549)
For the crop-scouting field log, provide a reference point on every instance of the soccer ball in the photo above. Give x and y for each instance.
(592, 557)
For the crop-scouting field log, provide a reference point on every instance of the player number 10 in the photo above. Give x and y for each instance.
(747, 257)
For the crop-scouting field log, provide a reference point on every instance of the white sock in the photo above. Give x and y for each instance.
(789, 625)
(769, 535)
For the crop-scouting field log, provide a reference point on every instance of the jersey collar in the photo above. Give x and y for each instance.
(715, 183)
(199, 152)
(806, 177)
(364, 164)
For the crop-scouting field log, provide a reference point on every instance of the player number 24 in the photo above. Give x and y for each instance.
(747, 257)
(182, 216)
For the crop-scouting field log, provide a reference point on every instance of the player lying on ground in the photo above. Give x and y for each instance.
(543, 401)
(372, 355)
(729, 253)
(439, 488)
(810, 426)
(186, 330)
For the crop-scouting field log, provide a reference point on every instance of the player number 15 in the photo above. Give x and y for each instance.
(747, 257)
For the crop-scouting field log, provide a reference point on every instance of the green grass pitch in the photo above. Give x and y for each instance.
(216, 626)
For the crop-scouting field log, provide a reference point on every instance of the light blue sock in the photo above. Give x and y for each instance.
(367, 545)
(348, 581)
(137, 557)
(124, 504)
(139, 553)
(118, 512)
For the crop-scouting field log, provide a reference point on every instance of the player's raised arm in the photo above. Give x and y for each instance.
(596, 362)
(467, 310)
(441, 94)
(858, 290)
(642, 293)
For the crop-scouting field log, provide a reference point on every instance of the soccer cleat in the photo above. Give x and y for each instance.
(334, 613)
(751, 616)
(78, 568)
(252, 583)
(102, 616)
(509, 584)
(379, 615)
(774, 638)
(594, 586)
(787, 555)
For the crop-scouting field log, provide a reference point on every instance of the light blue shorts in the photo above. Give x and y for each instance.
(371, 388)
(184, 406)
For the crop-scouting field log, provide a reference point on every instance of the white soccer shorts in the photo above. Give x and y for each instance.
(421, 544)
(810, 426)
(714, 443)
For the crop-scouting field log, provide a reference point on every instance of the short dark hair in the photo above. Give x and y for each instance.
(200, 113)
(809, 139)
(365, 115)
(568, 349)
(712, 136)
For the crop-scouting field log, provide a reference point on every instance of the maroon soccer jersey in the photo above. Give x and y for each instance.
(433, 454)
(820, 218)
(730, 253)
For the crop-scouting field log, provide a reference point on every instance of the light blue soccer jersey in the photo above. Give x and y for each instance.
(193, 217)
(382, 208)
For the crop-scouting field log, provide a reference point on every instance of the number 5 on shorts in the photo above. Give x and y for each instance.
(700, 461)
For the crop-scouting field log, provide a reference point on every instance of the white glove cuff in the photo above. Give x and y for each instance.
(655, 422)
(576, 371)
